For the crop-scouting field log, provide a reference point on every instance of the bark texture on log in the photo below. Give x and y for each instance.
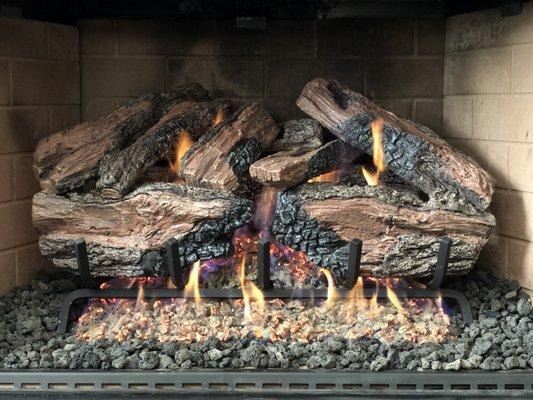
(422, 159)
(119, 172)
(288, 168)
(127, 237)
(400, 233)
(301, 134)
(222, 157)
(66, 160)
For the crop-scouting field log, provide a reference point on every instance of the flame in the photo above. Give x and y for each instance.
(378, 155)
(332, 292)
(193, 284)
(355, 297)
(250, 292)
(218, 118)
(183, 144)
(332, 176)
(396, 302)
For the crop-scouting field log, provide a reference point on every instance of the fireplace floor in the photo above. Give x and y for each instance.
(500, 338)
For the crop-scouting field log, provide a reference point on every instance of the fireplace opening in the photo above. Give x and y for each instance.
(308, 198)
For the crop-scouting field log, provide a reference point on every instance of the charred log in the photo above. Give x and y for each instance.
(66, 160)
(127, 237)
(288, 168)
(417, 156)
(301, 134)
(119, 172)
(400, 232)
(222, 157)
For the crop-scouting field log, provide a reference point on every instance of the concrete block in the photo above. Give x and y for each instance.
(457, 117)
(94, 108)
(429, 113)
(15, 220)
(45, 83)
(521, 262)
(504, 118)
(405, 77)
(5, 86)
(480, 72)
(494, 256)
(365, 37)
(20, 128)
(7, 271)
(97, 36)
(398, 107)
(22, 38)
(165, 38)
(430, 37)
(63, 42)
(122, 77)
(521, 167)
(291, 38)
(511, 210)
(6, 178)
(62, 117)
(26, 184)
(29, 261)
(522, 75)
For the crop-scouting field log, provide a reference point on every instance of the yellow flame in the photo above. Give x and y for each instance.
(250, 292)
(183, 144)
(395, 302)
(356, 299)
(373, 302)
(332, 176)
(218, 118)
(193, 284)
(378, 155)
(139, 303)
(332, 292)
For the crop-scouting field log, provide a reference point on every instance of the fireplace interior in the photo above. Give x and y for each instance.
(266, 199)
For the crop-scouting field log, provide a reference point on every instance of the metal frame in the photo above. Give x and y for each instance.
(176, 275)
(275, 383)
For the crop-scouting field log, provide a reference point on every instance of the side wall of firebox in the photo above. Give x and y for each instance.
(39, 94)
(488, 112)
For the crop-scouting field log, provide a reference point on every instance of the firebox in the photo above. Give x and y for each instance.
(266, 200)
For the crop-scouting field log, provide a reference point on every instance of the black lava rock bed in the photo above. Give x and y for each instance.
(500, 338)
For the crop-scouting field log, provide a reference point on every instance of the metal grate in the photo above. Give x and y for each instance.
(518, 384)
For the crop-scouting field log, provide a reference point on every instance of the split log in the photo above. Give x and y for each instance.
(289, 168)
(424, 160)
(301, 134)
(400, 232)
(120, 172)
(222, 157)
(127, 237)
(66, 160)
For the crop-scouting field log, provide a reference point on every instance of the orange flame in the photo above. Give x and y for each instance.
(395, 302)
(250, 292)
(183, 144)
(332, 292)
(332, 176)
(193, 284)
(378, 155)
(218, 118)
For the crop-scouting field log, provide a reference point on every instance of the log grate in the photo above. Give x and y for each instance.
(176, 271)
(278, 383)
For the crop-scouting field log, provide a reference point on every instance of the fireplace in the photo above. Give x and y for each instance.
(308, 200)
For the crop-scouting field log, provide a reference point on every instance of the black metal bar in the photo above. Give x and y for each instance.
(83, 264)
(164, 293)
(354, 263)
(263, 264)
(442, 263)
(173, 263)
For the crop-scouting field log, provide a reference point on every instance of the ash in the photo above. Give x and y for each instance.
(500, 338)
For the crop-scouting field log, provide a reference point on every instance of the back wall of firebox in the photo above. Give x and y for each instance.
(89, 71)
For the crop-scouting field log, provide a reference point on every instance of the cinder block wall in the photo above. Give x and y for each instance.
(488, 112)
(399, 63)
(39, 94)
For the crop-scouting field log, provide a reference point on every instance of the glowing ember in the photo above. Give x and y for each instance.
(378, 155)
(218, 118)
(332, 176)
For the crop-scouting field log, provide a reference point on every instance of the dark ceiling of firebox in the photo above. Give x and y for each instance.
(68, 11)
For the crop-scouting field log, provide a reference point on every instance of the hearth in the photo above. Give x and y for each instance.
(266, 201)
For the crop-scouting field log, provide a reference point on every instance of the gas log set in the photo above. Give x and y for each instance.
(208, 235)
